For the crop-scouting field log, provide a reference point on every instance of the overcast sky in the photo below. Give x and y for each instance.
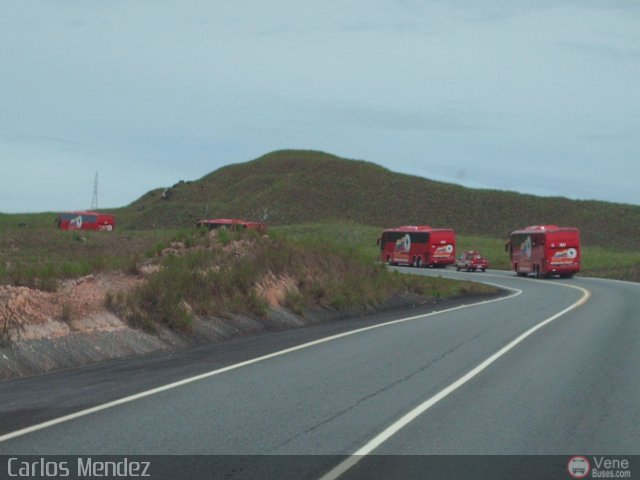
(539, 96)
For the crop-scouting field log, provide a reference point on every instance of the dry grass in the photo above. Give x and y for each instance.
(214, 280)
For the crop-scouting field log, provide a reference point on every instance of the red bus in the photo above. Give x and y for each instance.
(232, 224)
(103, 222)
(418, 246)
(545, 250)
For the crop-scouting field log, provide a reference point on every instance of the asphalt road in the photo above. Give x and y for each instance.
(436, 384)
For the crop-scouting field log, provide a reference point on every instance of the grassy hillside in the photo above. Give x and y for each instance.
(292, 187)
(333, 198)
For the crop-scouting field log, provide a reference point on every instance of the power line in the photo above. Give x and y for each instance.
(94, 200)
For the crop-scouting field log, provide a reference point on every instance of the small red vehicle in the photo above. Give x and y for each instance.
(87, 220)
(472, 261)
(232, 224)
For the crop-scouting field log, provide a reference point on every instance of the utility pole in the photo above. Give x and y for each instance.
(94, 200)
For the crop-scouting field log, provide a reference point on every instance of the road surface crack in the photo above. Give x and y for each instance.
(386, 388)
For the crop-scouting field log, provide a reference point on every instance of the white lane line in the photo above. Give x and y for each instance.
(606, 280)
(407, 418)
(202, 376)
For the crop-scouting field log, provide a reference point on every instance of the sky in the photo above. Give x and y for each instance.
(536, 96)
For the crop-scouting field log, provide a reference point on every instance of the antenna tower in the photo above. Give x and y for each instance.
(94, 200)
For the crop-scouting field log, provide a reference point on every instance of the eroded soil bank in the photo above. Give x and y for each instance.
(47, 331)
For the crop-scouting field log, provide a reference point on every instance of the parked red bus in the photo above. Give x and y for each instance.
(545, 250)
(232, 224)
(418, 246)
(86, 221)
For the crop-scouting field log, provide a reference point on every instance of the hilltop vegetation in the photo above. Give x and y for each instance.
(293, 186)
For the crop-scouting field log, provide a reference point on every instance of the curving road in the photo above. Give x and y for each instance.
(550, 369)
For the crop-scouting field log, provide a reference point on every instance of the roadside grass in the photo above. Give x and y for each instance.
(619, 265)
(212, 280)
(333, 265)
(596, 261)
(35, 254)
(362, 239)
(492, 248)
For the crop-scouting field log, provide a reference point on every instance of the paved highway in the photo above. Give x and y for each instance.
(552, 368)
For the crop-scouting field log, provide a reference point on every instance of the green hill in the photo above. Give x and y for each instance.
(294, 186)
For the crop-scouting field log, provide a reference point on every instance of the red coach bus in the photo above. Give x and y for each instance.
(232, 224)
(86, 221)
(418, 246)
(545, 250)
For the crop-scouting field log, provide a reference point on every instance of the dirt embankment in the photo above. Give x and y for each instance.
(44, 331)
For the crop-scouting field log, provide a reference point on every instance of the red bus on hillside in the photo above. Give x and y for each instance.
(545, 250)
(86, 221)
(232, 224)
(418, 246)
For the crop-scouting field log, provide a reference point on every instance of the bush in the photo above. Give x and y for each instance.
(221, 280)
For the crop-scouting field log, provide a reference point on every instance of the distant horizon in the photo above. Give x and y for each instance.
(100, 208)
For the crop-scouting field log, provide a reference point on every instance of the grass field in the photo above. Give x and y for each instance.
(34, 253)
(327, 265)
(596, 261)
(213, 280)
(315, 196)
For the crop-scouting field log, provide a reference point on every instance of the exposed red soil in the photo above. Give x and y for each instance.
(78, 305)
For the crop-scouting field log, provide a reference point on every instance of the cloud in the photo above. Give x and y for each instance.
(443, 118)
(164, 90)
(601, 50)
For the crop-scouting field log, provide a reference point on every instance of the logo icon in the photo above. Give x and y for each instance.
(76, 222)
(525, 247)
(403, 244)
(578, 467)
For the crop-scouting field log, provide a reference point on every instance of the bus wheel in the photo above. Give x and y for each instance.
(537, 271)
(419, 262)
